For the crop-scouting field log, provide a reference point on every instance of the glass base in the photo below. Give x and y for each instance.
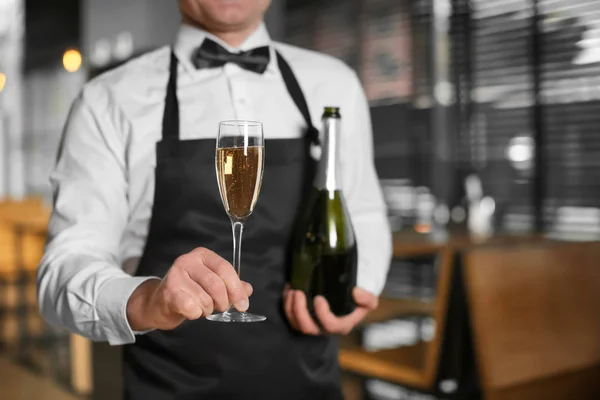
(235, 316)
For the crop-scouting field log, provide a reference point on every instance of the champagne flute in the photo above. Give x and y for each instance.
(239, 166)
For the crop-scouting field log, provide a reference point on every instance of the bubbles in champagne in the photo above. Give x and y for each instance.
(239, 173)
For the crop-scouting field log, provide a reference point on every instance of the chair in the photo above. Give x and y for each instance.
(535, 313)
(20, 253)
(414, 366)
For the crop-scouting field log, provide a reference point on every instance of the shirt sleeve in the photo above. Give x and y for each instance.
(364, 195)
(81, 286)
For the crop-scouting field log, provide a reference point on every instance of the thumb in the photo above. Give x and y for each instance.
(365, 299)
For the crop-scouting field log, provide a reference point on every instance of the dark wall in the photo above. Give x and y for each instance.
(392, 140)
(52, 27)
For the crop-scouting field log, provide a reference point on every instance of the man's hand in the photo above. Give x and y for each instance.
(196, 284)
(299, 317)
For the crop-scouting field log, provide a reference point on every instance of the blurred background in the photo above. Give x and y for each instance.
(486, 117)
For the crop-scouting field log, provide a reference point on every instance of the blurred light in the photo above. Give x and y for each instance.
(72, 60)
(444, 93)
(123, 47)
(385, 390)
(448, 386)
(2, 80)
(442, 8)
(425, 207)
(473, 188)
(488, 206)
(520, 152)
(100, 56)
(428, 329)
(391, 334)
(422, 228)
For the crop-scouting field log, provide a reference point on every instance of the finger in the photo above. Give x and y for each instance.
(366, 302)
(233, 286)
(183, 304)
(200, 296)
(195, 269)
(212, 284)
(180, 293)
(303, 318)
(248, 288)
(365, 299)
(207, 303)
(351, 320)
(288, 304)
(329, 321)
(334, 324)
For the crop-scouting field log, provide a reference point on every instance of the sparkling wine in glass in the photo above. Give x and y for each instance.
(239, 165)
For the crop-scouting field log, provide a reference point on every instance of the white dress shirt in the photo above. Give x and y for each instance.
(103, 182)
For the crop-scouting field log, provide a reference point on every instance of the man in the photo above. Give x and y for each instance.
(135, 190)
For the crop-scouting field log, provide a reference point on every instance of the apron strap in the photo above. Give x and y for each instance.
(311, 139)
(293, 87)
(170, 123)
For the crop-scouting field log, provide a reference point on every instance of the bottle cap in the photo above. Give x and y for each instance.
(332, 112)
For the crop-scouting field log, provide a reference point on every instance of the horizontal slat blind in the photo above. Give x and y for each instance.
(493, 59)
(374, 37)
(571, 96)
(502, 120)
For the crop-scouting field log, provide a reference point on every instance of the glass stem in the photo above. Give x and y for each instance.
(238, 228)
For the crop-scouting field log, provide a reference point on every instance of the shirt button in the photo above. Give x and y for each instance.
(242, 101)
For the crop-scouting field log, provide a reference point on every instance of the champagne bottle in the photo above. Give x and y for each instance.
(324, 256)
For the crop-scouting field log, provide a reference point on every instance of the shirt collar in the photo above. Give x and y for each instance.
(190, 37)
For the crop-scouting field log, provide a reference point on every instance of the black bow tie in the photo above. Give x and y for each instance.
(211, 54)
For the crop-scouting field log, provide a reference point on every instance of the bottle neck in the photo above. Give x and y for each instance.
(327, 173)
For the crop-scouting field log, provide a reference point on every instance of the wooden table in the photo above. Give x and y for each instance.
(410, 244)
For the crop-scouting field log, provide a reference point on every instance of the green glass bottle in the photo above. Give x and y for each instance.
(324, 257)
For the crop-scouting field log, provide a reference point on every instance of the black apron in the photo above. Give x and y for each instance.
(213, 360)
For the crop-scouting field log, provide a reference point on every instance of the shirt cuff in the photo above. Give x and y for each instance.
(372, 279)
(371, 285)
(111, 306)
